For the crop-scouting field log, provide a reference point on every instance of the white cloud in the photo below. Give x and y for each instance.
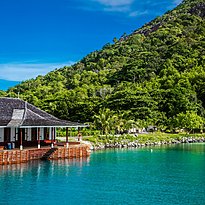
(25, 71)
(116, 3)
(138, 13)
(174, 4)
(117, 9)
(131, 8)
(177, 2)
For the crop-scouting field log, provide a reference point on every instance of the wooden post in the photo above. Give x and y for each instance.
(51, 137)
(79, 135)
(67, 137)
(71, 132)
(16, 135)
(46, 133)
(21, 140)
(39, 142)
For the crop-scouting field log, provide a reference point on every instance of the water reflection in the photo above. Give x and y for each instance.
(45, 168)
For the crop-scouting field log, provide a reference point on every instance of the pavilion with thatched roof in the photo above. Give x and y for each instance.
(23, 124)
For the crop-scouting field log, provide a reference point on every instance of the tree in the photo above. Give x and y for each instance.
(189, 120)
(152, 75)
(105, 120)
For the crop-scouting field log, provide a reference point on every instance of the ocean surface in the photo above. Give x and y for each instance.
(157, 175)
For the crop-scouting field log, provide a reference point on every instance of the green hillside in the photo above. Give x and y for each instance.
(154, 76)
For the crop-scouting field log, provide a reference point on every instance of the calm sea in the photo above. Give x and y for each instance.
(159, 175)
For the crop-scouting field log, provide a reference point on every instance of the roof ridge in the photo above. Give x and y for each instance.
(25, 113)
(37, 108)
(35, 114)
(12, 98)
(16, 118)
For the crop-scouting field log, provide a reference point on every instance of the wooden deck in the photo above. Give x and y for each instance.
(16, 156)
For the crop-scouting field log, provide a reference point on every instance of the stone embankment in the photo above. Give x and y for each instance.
(136, 143)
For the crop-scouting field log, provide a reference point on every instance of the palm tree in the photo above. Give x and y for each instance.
(105, 120)
(129, 124)
(122, 124)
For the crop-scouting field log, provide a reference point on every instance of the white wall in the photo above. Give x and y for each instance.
(50, 133)
(41, 133)
(1, 134)
(13, 133)
(28, 134)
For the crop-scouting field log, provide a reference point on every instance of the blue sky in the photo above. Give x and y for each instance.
(38, 36)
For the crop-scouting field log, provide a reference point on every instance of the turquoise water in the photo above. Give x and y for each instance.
(163, 175)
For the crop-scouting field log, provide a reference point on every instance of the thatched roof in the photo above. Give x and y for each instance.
(15, 112)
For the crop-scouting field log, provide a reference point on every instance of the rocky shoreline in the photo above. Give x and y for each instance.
(136, 144)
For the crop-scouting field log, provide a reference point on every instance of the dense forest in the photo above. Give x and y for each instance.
(154, 76)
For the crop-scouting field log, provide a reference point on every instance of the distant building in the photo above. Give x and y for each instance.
(24, 125)
(151, 128)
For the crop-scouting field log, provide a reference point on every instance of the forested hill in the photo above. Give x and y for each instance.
(154, 75)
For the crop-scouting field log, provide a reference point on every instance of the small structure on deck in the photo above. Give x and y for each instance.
(24, 125)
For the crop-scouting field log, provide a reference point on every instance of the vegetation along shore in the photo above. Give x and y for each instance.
(142, 140)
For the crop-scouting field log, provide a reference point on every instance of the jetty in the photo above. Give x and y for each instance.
(16, 156)
(28, 133)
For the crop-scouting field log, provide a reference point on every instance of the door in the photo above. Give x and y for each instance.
(34, 134)
(7, 134)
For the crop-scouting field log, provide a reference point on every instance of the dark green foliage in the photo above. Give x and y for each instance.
(153, 74)
(2, 93)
